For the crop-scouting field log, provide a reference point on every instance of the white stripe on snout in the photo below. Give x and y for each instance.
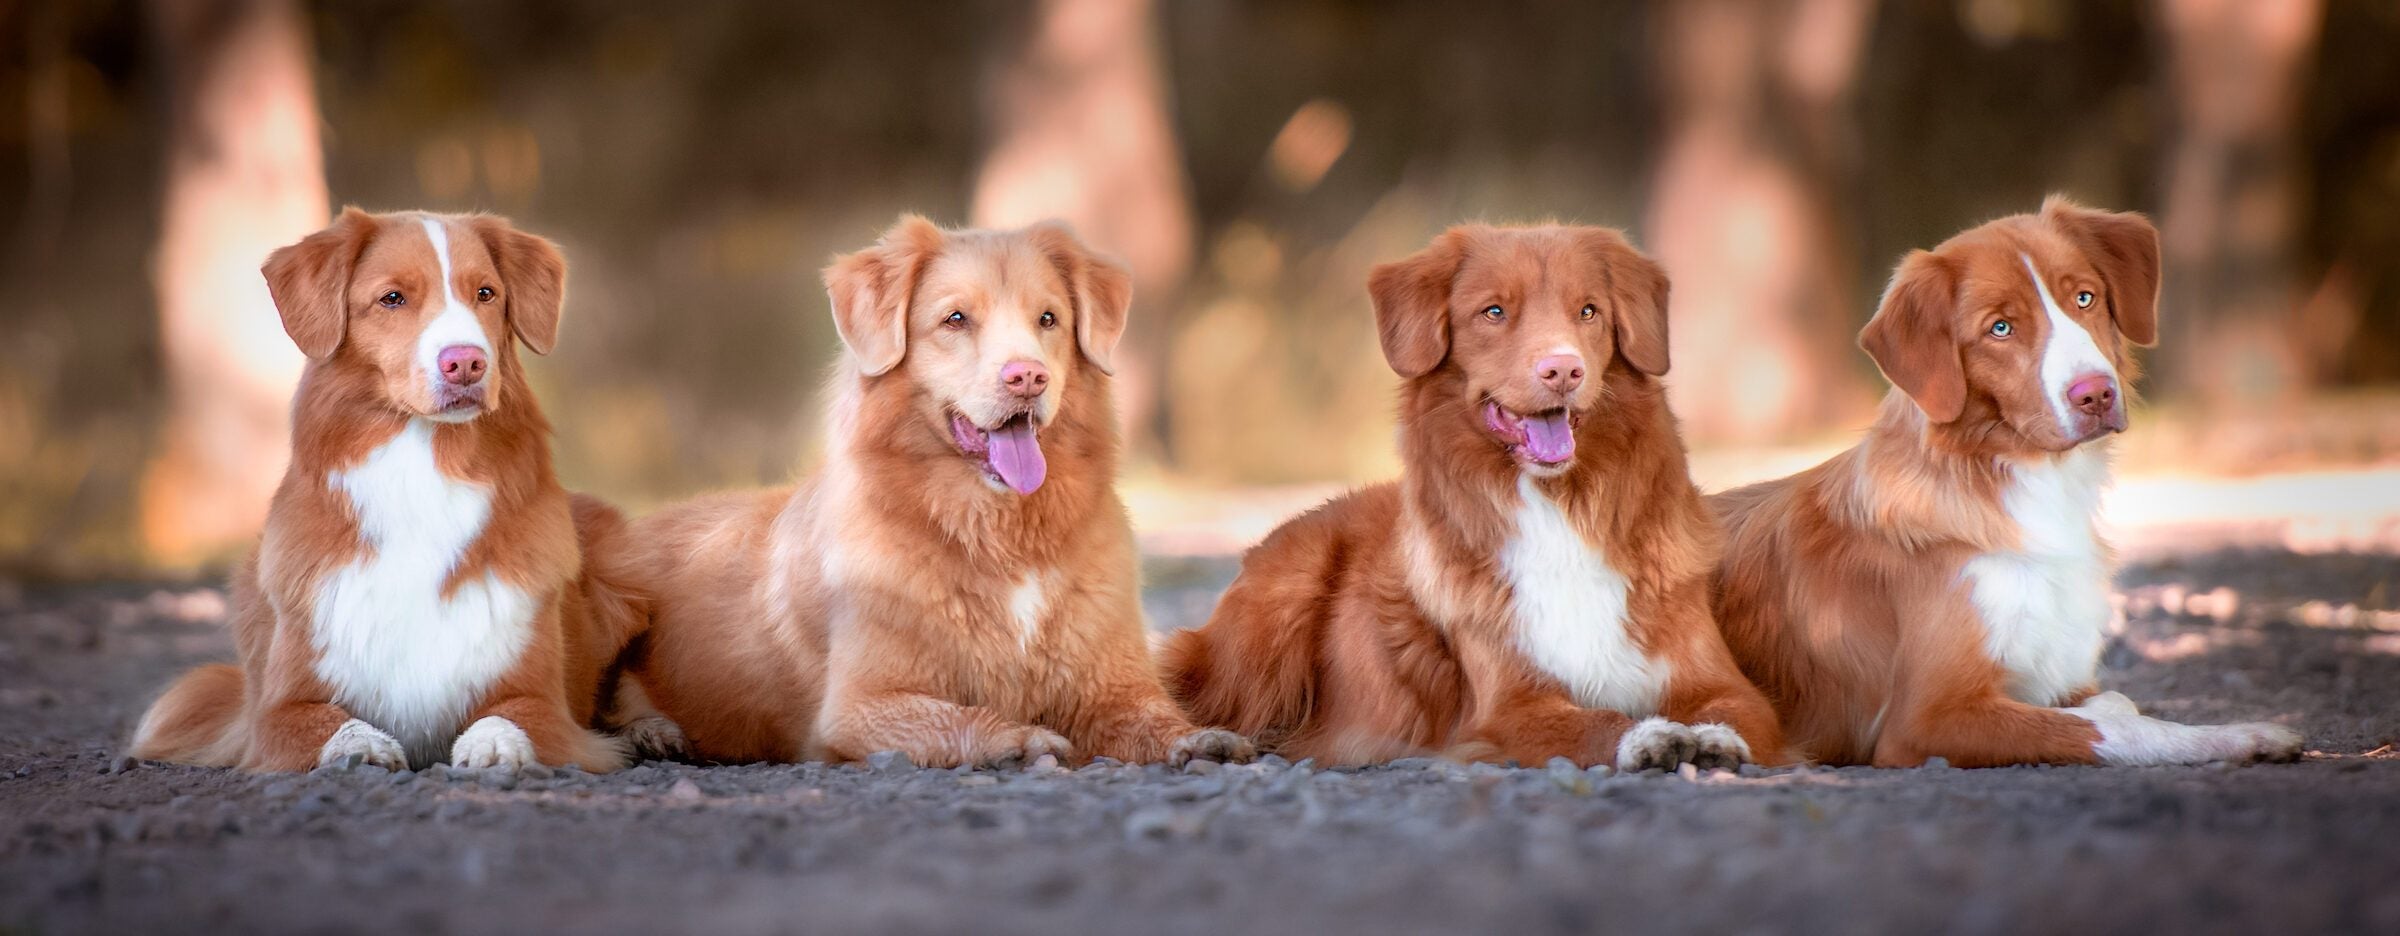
(456, 325)
(2069, 353)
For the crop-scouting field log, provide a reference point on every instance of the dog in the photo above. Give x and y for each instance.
(958, 582)
(414, 595)
(1536, 583)
(1940, 589)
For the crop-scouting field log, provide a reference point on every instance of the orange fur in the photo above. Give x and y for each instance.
(361, 387)
(884, 603)
(1381, 624)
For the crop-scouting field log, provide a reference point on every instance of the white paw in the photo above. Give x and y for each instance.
(656, 737)
(1214, 744)
(366, 742)
(2110, 703)
(1656, 742)
(1720, 747)
(2265, 742)
(493, 741)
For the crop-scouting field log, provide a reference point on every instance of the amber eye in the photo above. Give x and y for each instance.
(955, 319)
(484, 294)
(1494, 313)
(2083, 300)
(1049, 319)
(392, 299)
(2002, 329)
(1589, 312)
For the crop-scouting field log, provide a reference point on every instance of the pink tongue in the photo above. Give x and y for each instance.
(1017, 458)
(1548, 439)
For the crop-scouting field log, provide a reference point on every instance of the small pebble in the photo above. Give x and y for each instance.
(1202, 768)
(1937, 763)
(685, 791)
(123, 763)
(1688, 772)
(889, 762)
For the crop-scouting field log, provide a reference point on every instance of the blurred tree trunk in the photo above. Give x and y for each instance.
(1749, 213)
(244, 175)
(1081, 131)
(2235, 199)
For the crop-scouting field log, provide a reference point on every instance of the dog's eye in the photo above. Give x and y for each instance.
(2083, 300)
(1589, 312)
(956, 319)
(392, 299)
(484, 294)
(1049, 319)
(2002, 329)
(1494, 313)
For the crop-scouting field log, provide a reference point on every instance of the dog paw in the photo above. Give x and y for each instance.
(2264, 743)
(2110, 703)
(493, 741)
(1026, 746)
(1212, 744)
(1657, 742)
(656, 737)
(367, 743)
(1720, 747)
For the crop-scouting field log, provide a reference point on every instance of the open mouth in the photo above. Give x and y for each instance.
(1008, 453)
(1546, 438)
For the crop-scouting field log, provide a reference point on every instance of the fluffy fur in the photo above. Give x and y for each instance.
(415, 576)
(907, 596)
(1940, 590)
(1498, 602)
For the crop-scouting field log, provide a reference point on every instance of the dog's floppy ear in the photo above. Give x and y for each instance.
(534, 274)
(308, 279)
(1102, 287)
(871, 290)
(1912, 336)
(1412, 304)
(2124, 245)
(1638, 289)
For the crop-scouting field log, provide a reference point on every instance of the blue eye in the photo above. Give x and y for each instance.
(1494, 313)
(2083, 300)
(2002, 329)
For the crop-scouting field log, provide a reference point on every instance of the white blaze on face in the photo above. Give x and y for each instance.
(2069, 354)
(1009, 335)
(455, 325)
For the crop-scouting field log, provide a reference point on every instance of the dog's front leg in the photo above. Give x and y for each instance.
(297, 725)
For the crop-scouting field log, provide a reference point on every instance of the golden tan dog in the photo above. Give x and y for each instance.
(1535, 586)
(415, 578)
(1940, 590)
(958, 582)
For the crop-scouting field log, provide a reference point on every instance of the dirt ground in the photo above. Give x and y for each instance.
(94, 842)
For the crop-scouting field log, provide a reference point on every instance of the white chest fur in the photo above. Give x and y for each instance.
(396, 651)
(2045, 604)
(1570, 608)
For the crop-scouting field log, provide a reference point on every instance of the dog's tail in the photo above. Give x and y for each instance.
(198, 720)
(1252, 668)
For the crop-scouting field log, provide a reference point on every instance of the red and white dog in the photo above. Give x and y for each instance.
(412, 597)
(1940, 590)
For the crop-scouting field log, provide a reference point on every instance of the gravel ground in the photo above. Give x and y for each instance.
(91, 841)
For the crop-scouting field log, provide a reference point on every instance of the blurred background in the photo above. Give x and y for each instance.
(1251, 158)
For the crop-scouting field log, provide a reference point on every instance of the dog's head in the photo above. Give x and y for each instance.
(990, 328)
(2015, 332)
(421, 306)
(1524, 324)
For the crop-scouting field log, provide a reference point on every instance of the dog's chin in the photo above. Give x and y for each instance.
(454, 405)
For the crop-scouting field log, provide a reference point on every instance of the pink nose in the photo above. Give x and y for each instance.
(1560, 372)
(2093, 395)
(461, 364)
(1025, 378)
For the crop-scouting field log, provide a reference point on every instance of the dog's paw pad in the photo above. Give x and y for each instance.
(1656, 742)
(1212, 744)
(367, 743)
(493, 741)
(656, 737)
(1720, 747)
